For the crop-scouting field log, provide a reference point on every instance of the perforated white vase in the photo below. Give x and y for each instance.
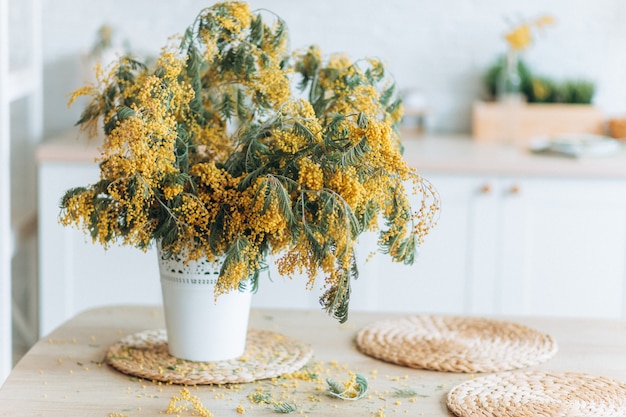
(198, 327)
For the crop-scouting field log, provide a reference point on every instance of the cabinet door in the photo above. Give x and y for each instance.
(563, 247)
(453, 271)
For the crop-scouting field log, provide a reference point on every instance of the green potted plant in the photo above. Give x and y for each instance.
(521, 105)
(230, 149)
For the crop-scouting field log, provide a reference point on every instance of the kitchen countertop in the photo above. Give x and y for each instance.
(63, 374)
(461, 154)
(432, 154)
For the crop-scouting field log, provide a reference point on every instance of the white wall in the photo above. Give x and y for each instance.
(440, 47)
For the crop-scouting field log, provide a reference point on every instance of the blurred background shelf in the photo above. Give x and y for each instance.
(535, 120)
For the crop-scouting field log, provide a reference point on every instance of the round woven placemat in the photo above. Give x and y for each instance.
(455, 344)
(267, 355)
(521, 394)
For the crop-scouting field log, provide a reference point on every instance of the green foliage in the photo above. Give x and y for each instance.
(337, 298)
(544, 90)
(577, 91)
(284, 408)
(493, 75)
(406, 393)
(540, 89)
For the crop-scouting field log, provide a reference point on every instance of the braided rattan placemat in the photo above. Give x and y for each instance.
(267, 355)
(521, 394)
(455, 344)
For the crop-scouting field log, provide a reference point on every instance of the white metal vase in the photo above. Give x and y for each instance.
(199, 327)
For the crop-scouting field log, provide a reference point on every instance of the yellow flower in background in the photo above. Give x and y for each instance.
(521, 36)
(544, 21)
(540, 90)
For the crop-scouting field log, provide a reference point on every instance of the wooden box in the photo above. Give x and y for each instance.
(491, 122)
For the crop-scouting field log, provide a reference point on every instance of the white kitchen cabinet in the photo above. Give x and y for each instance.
(453, 271)
(562, 248)
(541, 246)
(75, 274)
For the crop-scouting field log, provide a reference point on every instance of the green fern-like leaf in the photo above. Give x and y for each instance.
(239, 61)
(351, 393)
(316, 247)
(285, 408)
(303, 131)
(386, 95)
(124, 113)
(226, 106)
(334, 387)
(337, 298)
(279, 191)
(394, 106)
(243, 111)
(362, 120)
(256, 30)
(279, 34)
(90, 112)
(355, 154)
(406, 393)
(72, 192)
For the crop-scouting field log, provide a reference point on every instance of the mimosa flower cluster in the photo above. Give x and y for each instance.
(232, 147)
(520, 37)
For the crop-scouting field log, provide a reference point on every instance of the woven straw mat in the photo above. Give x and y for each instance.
(521, 394)
(455, 344)
(267, 355)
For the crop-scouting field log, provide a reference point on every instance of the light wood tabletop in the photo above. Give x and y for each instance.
(64, 374)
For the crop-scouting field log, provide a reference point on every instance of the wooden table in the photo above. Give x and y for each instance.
(63, 374)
